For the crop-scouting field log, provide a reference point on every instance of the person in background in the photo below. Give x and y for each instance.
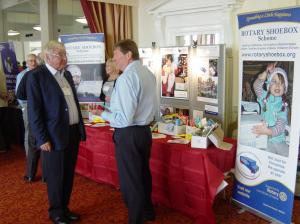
(32, 153)
(56, 123)
(39, 59)
(247, 94)
(3, 106)
(132, 108)
(24, 65)
(109, 83)
(20, 68)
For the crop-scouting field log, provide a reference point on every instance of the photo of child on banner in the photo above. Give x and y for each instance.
(174, 72)
(168, 75)
(265, 123)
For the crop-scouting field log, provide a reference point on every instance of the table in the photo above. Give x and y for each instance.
(184, 179)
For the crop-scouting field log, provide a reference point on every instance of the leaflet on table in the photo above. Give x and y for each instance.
(269, 66)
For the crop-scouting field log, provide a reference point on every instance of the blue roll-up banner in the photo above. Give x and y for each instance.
(9, 63)
(86, 62)
(267, 155)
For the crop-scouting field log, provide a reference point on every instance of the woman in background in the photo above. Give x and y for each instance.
(109, 83)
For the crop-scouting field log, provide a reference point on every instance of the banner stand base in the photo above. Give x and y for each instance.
(244, 208)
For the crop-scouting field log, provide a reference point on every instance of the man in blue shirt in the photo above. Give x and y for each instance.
(32, 153)
(132, 107)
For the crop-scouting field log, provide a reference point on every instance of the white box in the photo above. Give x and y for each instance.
(247, 137)
(200, 142)
(170, 128)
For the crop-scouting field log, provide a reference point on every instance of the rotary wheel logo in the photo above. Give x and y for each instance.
(282, 196)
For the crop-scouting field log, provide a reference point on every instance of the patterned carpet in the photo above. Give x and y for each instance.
(23, 203)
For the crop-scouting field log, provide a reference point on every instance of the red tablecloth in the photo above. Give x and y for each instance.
(183, 178)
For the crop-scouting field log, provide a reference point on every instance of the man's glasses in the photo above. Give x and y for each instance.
(63, 56)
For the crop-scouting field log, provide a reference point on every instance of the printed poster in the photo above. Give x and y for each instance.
(174, 72)
(206, 68)
(268, 142)
(9, 63)
(147, 58)
(86, 62)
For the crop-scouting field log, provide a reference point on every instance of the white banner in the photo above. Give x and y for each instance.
(86, 62)
(266, 161)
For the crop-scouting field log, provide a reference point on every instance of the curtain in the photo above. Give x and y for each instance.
(115, 21)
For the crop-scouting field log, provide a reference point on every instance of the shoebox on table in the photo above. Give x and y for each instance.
(200, 142)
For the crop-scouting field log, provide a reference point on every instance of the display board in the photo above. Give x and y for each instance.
(209, 65)
(204, 75)
(268, 140)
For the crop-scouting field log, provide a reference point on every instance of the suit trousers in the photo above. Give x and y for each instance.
(58, 169)
(32, 152)
(3, 143)
(133, 148)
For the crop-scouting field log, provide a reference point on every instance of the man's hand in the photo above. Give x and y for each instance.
(3, 96)
(98, 112)
(46, 147)
(107, 98)
(270, 67)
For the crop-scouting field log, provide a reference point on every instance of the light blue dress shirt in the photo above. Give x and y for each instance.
(18, 80)
(133, 100)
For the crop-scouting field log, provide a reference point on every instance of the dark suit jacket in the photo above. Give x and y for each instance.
(47, 108)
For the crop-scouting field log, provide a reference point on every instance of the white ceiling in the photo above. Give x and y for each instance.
(22, 15)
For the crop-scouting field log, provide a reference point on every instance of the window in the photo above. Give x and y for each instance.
(198, 39)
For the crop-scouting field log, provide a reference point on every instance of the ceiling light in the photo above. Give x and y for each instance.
(81, 20)
(13, 33)
(37, 27)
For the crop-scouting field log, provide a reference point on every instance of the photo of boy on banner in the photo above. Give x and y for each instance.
(269, 116)
(88, 80)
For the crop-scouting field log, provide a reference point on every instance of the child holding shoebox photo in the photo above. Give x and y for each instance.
(274, 108)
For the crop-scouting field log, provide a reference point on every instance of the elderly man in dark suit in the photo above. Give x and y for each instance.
(56, 123)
